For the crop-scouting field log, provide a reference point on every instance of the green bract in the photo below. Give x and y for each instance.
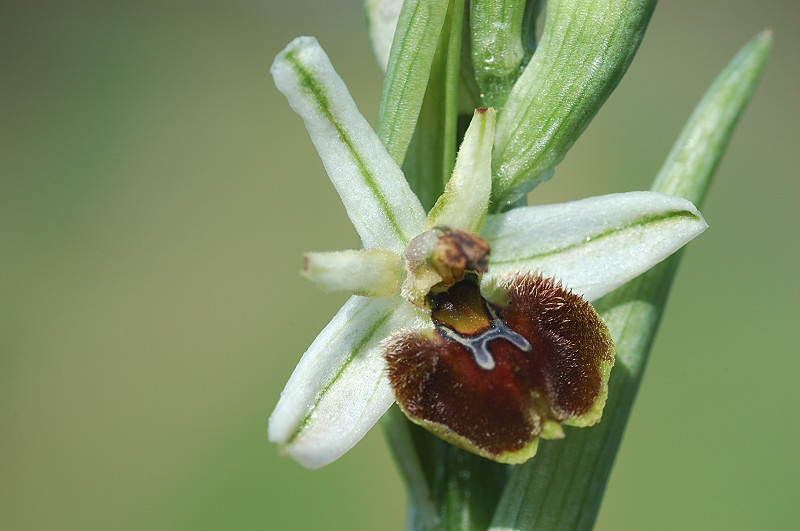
(585, 49)
(340, 388)
(548, 97)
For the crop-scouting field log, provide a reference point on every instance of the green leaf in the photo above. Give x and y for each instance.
(413, 48)
(448, 488)
(694, 157)
(467, 489)
(414, 451)
(533, 8)
(382, 17)
(562, 488)
(429, 160)
(585, 49)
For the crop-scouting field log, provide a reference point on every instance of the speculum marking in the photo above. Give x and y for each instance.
(478, 345)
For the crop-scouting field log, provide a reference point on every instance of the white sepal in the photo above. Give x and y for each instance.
(339, 389)
(381, 205)
(593, 245)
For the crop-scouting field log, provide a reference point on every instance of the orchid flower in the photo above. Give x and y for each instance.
(457, 281)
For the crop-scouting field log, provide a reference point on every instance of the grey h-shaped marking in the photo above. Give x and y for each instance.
(478, 345)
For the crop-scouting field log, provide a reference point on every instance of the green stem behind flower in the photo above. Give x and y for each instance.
(447, 487)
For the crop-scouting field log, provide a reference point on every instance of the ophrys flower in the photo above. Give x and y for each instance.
(341, 387)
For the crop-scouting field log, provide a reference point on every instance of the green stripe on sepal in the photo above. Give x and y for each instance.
(381, 205)
(339, 389)
(593, 245)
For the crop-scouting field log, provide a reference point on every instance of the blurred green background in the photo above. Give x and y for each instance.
(157, 192)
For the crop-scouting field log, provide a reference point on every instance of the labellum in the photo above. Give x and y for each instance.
(493, 379)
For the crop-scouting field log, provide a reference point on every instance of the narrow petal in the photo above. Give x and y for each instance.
(366, 272)
(340, 389)
(382, 16)
(592, 245)
(381, 205)
(466, 196)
